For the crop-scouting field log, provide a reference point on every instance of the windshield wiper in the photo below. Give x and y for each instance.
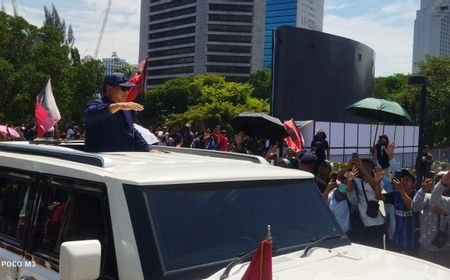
(242, 258)
(316, 242)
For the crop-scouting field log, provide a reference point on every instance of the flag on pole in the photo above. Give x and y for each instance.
(260, 268)
(295, 138)
(139, 79)
(46, 112)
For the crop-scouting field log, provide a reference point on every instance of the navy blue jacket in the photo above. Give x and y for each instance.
(107, 132)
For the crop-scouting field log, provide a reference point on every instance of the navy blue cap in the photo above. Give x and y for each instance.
(117, 79)
(308, 159)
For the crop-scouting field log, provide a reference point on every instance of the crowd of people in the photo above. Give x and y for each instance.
(375, 201)
(381, 205)
(28, 132)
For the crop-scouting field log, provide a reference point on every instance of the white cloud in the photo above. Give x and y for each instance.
(86, 16)
(333, 5)
(391, 8)
(388, 29)
(390, 35)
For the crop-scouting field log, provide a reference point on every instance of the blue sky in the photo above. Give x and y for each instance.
(386, 26)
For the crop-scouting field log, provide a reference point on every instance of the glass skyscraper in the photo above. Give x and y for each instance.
(297, 13)
(431, 31)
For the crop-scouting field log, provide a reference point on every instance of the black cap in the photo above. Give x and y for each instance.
(406, 173)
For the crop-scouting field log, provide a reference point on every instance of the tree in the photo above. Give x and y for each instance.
(70, 40)
(437, 122)
(261, 80)
(52, 19)
(387, 86)
(202, 100)
(437, 126)
(30, 55)
(126, 70)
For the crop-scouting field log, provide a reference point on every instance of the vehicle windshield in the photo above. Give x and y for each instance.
(205, 223)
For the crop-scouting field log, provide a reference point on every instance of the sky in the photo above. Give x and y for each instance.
(387, 26)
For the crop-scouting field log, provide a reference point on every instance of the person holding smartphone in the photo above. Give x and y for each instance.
(404, 239)
(424, 161)
(341, 197)
(368, 191)
(433, 218)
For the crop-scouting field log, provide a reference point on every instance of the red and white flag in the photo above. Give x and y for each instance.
(139, 79)
(260, 268)
(47, 113)
(295, 138)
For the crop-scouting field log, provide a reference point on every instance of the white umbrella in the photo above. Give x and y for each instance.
(148, 136)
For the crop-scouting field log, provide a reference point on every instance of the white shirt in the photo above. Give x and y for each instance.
(362, 204)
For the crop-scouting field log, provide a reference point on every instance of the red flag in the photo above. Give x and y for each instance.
(295, 138)
(139, 79)
(260, 268)
(47, 113)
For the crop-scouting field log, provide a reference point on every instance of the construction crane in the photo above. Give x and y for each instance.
(102, 30)
(14, 5)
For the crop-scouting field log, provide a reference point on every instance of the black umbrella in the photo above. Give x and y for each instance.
(259, 125)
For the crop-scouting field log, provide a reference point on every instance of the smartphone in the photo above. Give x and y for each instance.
(333, 177)
(398, 175)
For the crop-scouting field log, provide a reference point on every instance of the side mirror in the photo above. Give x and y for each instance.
(80, 260)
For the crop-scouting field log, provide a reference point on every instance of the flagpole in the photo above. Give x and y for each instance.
(269, 233)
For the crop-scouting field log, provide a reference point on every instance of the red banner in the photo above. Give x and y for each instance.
(139, 79)
(295, 139)
(260, 268)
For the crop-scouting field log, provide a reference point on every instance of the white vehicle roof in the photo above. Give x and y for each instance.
(157, 167)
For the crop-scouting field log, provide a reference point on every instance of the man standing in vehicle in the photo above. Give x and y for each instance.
(108, 121)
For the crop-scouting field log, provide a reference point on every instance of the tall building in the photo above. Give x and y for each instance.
(187, 37)
(297, 13)
(431, 30)
(112, 63)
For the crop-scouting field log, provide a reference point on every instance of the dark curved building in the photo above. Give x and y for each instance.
(316, 75)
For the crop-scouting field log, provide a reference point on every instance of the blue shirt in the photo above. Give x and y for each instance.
(341, 210)
(107, 132)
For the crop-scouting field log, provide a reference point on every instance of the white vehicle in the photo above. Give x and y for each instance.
(172, 214)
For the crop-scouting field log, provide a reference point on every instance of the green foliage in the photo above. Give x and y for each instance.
(261, 80)
(201, 100)
(385, 87)
(30, 55)
(53, 20)
(127, 70)
(437, 120)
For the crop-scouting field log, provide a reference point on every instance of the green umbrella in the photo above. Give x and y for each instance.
(380, 110)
